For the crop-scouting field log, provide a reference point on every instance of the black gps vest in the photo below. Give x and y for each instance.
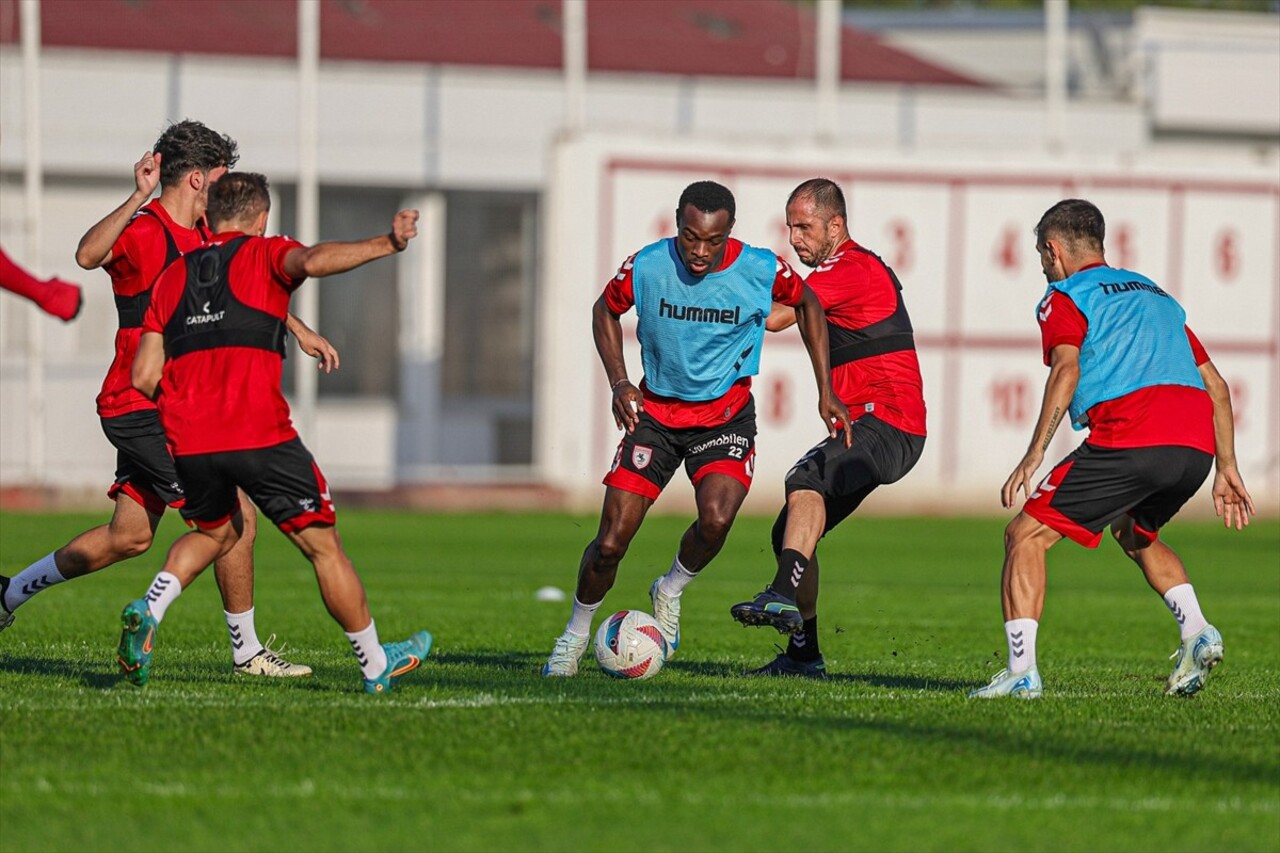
(892, 334)
(132, 309)
(210, 316)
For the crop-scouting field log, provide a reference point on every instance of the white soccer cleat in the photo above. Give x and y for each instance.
(666, 611)
(268, 663)
(1197, 655)
(568, 650)
(1023, 685)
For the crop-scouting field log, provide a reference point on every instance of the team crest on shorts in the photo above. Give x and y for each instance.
(641, 456)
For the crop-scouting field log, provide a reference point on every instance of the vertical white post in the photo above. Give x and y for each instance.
(574, 14)
(307, 305)
(33, 182)
(828, 70)
(1055, 74)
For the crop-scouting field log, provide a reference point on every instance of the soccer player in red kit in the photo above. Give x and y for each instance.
(1122, 363)
(876, 374)
(134, 243)
(218, 317)
(701, 300)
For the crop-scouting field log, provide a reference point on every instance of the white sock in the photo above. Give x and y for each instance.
(244, 636)
(1021, 634)
(165, 590)
(580, 622)
(372, 657)
(676, 578)
(41, 574)
(1185, 607)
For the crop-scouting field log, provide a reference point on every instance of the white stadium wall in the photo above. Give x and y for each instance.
(959, 236)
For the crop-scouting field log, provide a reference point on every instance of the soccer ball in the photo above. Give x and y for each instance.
(629, 644)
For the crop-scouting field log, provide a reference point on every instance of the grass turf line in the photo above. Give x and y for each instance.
(477, 752)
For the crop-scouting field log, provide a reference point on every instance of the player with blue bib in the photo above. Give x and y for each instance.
(701, 299)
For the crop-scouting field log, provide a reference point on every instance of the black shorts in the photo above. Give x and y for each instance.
(647, 458)
(1094, 486)
(283, 480)
(844, 476)
(144, 465)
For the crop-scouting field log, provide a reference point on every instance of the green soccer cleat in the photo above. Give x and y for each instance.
(1197, 655)
(770, 608)
(402, 659)
(1021, 685)
(137, 641)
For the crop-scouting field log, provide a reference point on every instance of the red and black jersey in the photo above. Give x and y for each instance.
(619, 297)
(150, 242)
(223, 331)
(1160, 415)
(874, 367)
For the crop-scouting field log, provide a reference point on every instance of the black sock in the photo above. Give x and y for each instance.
(791, 566)
(804, 646)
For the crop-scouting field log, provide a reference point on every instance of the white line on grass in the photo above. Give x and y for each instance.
(307, 789)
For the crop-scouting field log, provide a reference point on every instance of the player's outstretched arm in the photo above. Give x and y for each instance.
(313, 344)
(780, 317)
(1064, 375)
(812, 321)
(606, 330)
(1231, 500)
(332, 258)
(95, 246)
(148, 364)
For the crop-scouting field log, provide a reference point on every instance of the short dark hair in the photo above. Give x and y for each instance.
(190, 145)
(1074, 221)
(827, 197)
(237, 197)
(707, 196)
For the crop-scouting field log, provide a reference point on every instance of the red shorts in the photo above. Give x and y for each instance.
(1094, 486)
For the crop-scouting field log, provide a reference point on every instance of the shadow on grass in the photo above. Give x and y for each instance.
(100, 675)
(499, 659)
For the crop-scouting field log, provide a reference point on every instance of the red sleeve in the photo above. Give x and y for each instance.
(1197, 348)
(277, 249)
(619, 293)
(124, 251)
(1060, 323)
(788, 287)
(165, 296)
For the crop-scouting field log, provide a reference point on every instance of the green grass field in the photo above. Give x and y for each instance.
(476, 752)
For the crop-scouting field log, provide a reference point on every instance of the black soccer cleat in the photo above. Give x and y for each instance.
(772, 609)
(784, 666)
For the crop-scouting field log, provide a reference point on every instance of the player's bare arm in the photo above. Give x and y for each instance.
(780, 317)
(332, 258)
(313, 344)
(148, 364)
(627, 402)
(95, 246)
(1231, 500)
(812, 321)
(1064, 375)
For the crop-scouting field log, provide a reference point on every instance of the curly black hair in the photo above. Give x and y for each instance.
(190, 145)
